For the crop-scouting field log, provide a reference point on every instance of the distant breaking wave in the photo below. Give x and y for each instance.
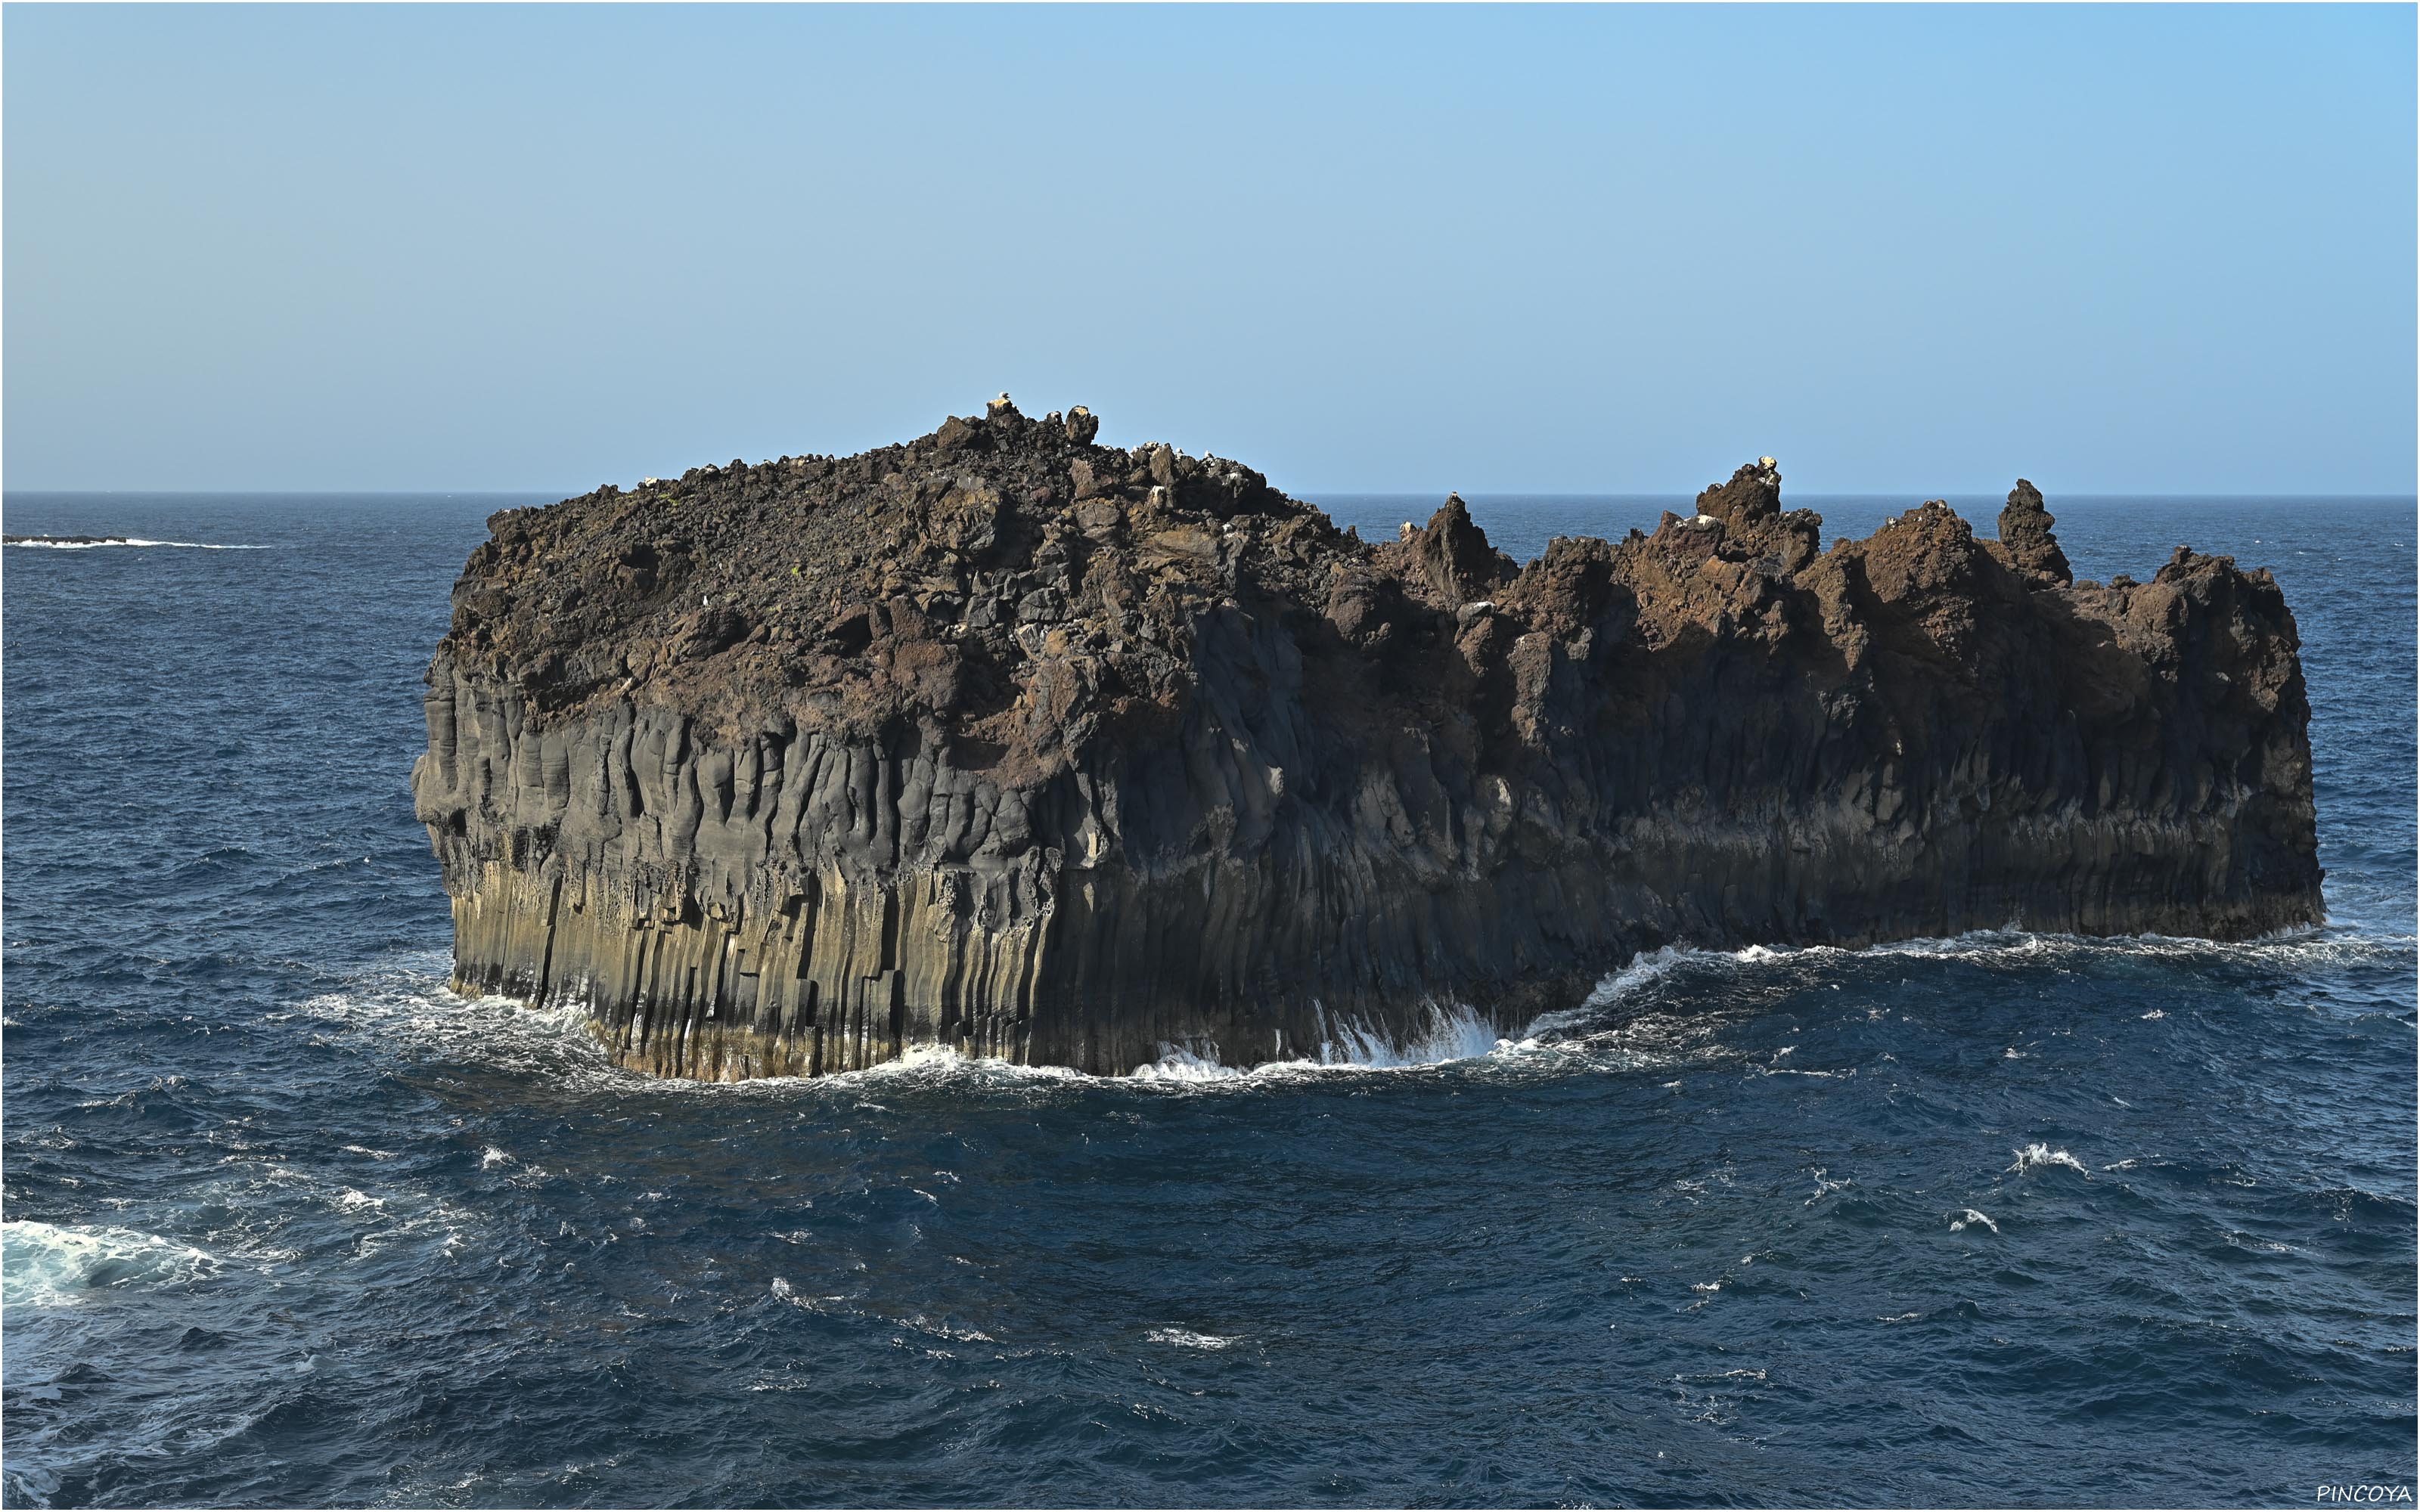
(85, 543)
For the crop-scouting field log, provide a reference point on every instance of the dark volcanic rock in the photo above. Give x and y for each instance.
(1455, 560)
(2026, 541)
(1008, 741)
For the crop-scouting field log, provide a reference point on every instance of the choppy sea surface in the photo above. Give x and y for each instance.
(2003, 1219)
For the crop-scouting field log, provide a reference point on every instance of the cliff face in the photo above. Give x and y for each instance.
(1012, 741)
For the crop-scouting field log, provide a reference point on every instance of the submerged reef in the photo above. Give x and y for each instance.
(1012, 741)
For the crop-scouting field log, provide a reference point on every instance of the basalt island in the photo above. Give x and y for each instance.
(1008, 741)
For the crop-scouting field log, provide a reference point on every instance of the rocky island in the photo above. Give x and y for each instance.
(1009, 741)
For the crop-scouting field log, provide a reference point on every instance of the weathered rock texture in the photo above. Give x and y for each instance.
(1012, 741)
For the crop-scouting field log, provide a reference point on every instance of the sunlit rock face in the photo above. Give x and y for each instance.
(1010, 742)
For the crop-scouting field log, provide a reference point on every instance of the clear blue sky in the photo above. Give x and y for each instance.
(2159, 248)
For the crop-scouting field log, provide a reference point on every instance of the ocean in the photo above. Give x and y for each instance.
(2004, 1219)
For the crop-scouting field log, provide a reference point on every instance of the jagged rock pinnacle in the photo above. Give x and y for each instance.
(2030, 547)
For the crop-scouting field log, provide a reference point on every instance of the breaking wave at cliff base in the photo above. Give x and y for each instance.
(1665, 1008)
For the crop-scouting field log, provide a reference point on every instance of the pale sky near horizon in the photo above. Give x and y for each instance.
(2164, 248)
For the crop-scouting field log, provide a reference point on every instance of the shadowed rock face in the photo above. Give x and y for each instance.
(1011, 742)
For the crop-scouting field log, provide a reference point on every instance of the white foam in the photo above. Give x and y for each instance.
(922, 1066)
(135, 540)
(1445, 1035)
(1620, 1024)
(1824, 1186)
(2298, 948)
(1181, 1063)
(1645, 970)
(1723, 1375)
(48, 1265)
(1185, 1339)
(1970, 1215)
(2036, 1155)
(406, 998)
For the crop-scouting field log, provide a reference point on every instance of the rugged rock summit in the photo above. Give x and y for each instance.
(1009, 741)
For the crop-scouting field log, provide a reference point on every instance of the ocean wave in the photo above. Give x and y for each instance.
(270, 1213)
(2301, 951)
(406, 1001)
(2298, 948)
(49, 1265)
(1665, 1009)
(1186, 1339)
(1446, 1034)
(2039, 1156)
(64, 545)
(1647, 971)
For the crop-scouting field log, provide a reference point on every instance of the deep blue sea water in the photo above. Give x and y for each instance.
(1999, 1220)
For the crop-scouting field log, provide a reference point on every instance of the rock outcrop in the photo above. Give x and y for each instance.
(1009, 741)
(2026, 545)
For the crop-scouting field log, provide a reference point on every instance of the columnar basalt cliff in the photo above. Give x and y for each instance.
(1009, 741)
